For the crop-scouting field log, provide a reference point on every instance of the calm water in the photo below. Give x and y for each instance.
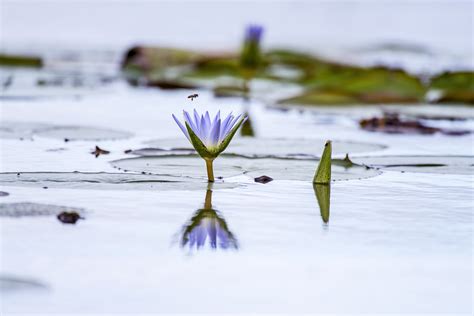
(398, 242)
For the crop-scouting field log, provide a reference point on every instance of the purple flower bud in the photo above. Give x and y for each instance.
(253, 33)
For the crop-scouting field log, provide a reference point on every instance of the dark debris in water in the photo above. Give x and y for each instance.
(69, 217)
(263, 179)
(3, 193)
(99, 151)
(391, 123)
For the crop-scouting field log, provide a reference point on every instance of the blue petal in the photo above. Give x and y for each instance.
(197, 122)
(232, 123)
(215, 132)
(204, 130)
(191, 124)
(225, 126)
(185, 131)
(217, 117)
(208, 120)
(236, 120)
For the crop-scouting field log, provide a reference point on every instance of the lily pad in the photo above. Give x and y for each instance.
(324, 97)
(303, 169)
(26, 130)
(232, 165)
(20, 130)
(425, 164)
(263, 147)
(355, 85)
(20, 61)
(177, 166)
(106, 181)
(83, 133)
(457, 87)
(33, 209)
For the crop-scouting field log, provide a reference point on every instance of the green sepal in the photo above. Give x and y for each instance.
(323, 173)
(198, 144)
(225, 142)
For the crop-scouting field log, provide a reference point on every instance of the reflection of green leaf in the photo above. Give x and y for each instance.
(323, 195)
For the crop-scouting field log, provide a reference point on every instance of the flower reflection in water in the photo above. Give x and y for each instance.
(208, 225)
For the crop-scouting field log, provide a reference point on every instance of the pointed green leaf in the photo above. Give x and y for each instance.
(198, 144)
(323, 173)
(223, 145)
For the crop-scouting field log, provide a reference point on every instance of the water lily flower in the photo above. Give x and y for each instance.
(209, 137)
(207, 225)
(253, 33)
(250, 56)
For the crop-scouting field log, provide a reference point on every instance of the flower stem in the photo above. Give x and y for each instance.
(210, 170)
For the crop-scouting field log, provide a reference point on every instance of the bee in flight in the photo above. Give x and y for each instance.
(192, 96)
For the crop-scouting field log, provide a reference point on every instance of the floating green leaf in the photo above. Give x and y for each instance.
(20, 61)
(457, 87)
